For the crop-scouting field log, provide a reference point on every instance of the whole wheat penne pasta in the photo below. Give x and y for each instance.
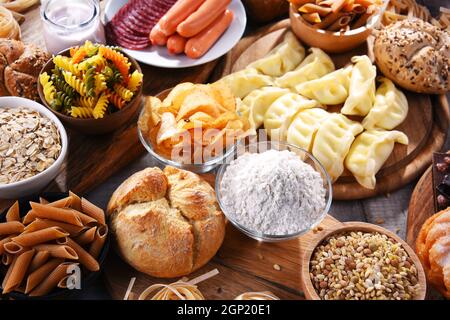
(361, 21)
(10, 269)
(329, 20)
(49, 283)
(29, 217)
(63, 283)
(312, 17)
(7, 258)
(312, 8)
(58, 251)
(86, 237)
(37, 276)
(2, 243)
(13, 213)
(19, 270)
(76, 201)
(93, 211)
(40, 224)
(63, 241)
(58, 214)
(85, 219)
(39, 259)
(359, 9)
(8, 228)
(84, 257)
(340, 23)
(37, 237)
(99, 241)
(13, 248)
(338, 5)
(365, 3)
(326, 3)
(62, 203)
(43, 201)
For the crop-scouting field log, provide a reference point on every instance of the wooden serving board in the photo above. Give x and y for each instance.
(426, 125)
(92, 160)
(244, 264)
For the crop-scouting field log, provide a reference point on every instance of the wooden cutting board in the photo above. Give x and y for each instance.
(426, 125)
(92, 160)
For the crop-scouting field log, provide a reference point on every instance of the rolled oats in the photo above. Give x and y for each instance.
(29, 144)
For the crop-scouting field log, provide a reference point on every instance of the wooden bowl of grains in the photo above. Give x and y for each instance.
(361, 261)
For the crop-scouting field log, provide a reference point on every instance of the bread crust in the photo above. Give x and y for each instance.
(166, 223)
(415, 55)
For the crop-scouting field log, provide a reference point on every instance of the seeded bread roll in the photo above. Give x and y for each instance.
(415, 55)
(166, 223)
(20, 65)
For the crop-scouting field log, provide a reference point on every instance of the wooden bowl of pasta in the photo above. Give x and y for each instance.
(38, 275)
(77, 111)
(332, 41)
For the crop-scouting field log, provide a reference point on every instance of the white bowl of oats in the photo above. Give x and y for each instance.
(33, 146)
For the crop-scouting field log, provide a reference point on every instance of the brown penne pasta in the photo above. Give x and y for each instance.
(99, 241)
(7, 259)
(329, 20)
(62, 203)
(340, 23)
(338, 5)
(365, 3)
(8, 273)
(361, 21)
(58, 251)
(86, 237)
(39, 259)
(8, 228)
(29, 217)
(43, 201)
(76, 201)
(37, 276)
(84, 257)
(85, 219)
(58, 214)
(2, 243)
(13, 213)
(93, 211)
(37, 237)
(40, 224)
(13, 248)
(359, 9)
(314, 8)
(19, 270)
(49, 283)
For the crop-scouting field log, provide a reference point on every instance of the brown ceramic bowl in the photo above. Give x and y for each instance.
(332, 42)
(96, 126)
(308, 288)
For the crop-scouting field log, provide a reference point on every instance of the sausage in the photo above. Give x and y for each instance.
(176, 44)
(157, 37)
(209, 11)
(177, 14)
(201, 43)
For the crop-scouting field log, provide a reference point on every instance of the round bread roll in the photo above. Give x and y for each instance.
(415, 55)
(166, 223)
(20, 65)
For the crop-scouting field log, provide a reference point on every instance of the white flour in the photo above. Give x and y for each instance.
(273, 192)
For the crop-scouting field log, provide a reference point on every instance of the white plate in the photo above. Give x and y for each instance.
(160, 57)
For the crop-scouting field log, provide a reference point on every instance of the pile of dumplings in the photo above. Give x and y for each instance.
(289, 93)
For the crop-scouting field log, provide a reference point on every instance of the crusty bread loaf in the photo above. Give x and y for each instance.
(166, 223)
(20, 65)
(415, 55)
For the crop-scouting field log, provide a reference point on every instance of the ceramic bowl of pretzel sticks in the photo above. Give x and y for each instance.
(51, 246)
(335, 26)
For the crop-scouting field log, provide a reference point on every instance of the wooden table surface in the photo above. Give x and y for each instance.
(390, 210)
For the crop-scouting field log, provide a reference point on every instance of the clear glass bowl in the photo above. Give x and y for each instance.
(261, 147)
(204, 167)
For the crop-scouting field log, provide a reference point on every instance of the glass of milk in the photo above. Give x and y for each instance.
(68, 23)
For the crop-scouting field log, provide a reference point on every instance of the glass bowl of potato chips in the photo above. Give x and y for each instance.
(194, 127)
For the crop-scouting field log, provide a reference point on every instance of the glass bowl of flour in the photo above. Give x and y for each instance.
(273, 191)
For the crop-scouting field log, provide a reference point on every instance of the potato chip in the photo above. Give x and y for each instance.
(223, 94)
(198, 101)
(175, 98)
(169, 128)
